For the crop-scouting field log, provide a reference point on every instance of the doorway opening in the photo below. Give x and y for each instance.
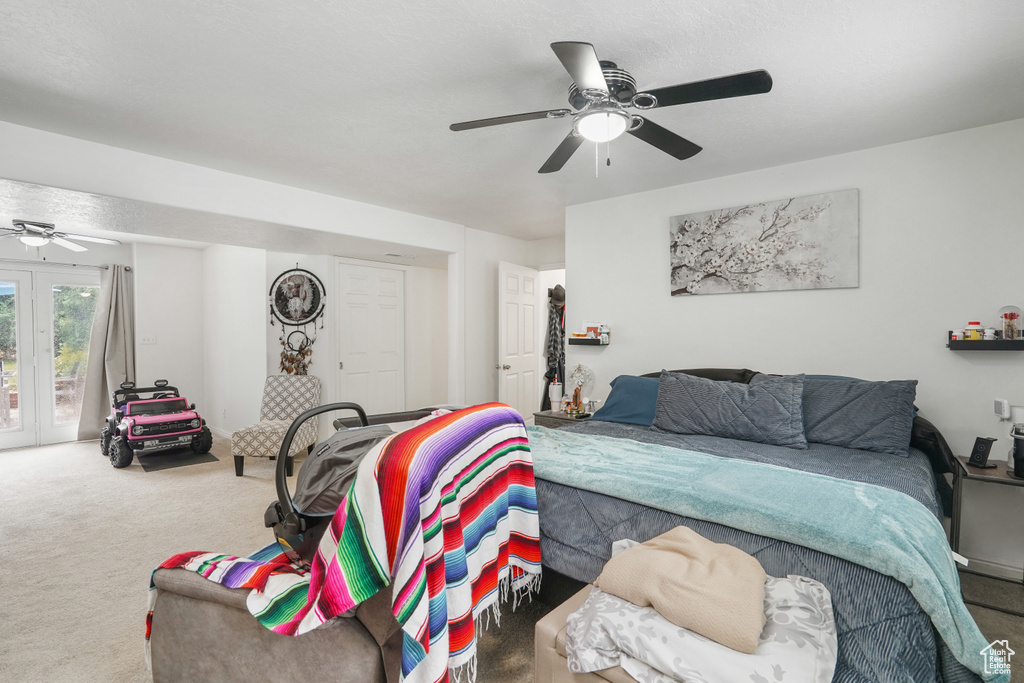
(548, 279)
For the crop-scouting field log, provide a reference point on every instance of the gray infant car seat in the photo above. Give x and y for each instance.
(300, 520)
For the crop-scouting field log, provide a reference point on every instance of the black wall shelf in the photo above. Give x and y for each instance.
(984, 344)
(584, 341)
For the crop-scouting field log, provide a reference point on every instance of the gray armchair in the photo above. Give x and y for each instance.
(202, 631)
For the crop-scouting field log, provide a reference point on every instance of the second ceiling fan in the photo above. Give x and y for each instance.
(36, 234)
(601, 95)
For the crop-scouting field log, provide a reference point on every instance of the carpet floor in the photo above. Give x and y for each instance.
(79, 539)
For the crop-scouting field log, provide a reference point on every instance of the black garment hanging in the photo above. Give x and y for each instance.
(554, 347)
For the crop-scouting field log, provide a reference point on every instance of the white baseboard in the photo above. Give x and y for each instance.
(217, 431)
(1001, 571)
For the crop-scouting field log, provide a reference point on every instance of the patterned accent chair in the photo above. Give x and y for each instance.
(284, 397)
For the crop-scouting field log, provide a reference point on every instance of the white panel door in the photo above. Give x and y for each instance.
(518, 301)
(17, 361)
(371, 337)
(65, 304)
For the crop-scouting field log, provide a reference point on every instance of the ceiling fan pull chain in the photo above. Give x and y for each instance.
(608, 141)
(597, 160)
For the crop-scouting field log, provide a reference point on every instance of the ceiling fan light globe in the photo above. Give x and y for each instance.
(33, 240)
(602, 126)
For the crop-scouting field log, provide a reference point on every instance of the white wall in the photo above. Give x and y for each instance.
(36, 156)
(483, 253)
(234, 316)
(547, 253)
(939, 239)
(169, 318)
(426, 325)
(324, 354)
(426, 337)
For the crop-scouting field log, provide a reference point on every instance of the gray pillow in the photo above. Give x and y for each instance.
(869, 416)
(769, 412)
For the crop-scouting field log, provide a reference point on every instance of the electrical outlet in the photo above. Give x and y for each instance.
(150, 339)
(1003, 408)
(224, 414)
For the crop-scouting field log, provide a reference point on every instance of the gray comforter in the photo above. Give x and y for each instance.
(883, 633)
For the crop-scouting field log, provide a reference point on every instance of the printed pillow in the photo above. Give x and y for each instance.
(868, 416)
(770, 411)
(631, 401)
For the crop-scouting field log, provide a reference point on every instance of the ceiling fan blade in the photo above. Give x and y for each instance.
(665, 140)
(580, 60)
(87, 238)
(737, 85)
(68, 245)
(562, 153)
(32, 226)
(498, 120)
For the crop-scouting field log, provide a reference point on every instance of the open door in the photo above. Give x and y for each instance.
(518, 345)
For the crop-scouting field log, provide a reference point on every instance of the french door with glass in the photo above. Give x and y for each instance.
(17, 371)
(45, 326)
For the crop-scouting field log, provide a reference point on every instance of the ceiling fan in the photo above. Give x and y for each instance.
(602, 93)
(35, 234)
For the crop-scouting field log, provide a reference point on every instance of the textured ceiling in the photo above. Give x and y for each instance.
(354, 99)
(134, 221)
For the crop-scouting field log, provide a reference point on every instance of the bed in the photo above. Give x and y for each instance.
(884, 633)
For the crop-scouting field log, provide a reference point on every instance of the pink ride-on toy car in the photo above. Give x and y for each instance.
(163, 420)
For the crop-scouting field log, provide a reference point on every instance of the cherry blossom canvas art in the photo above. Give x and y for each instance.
(798, 243)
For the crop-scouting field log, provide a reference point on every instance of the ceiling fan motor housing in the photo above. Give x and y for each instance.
(621, 85)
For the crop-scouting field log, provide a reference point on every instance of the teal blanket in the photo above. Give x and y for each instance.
(876, 527)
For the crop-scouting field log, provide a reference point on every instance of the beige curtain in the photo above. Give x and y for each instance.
(111, 350)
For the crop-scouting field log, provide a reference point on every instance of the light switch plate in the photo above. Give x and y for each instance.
(148, 339)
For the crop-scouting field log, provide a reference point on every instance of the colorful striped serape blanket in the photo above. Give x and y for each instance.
(446, 512)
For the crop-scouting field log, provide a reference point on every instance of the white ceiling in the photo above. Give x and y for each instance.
(354, 99)
(129, 220)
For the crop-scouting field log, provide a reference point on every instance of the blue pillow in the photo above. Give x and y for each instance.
(868, 416)
(770, 411)
(631, 401)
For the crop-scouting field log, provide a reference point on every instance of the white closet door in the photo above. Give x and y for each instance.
(371, 337)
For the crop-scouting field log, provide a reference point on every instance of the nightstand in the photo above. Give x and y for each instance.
(1000, 474)
(554, 420)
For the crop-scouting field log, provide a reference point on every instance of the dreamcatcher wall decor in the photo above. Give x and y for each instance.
(297, 300)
